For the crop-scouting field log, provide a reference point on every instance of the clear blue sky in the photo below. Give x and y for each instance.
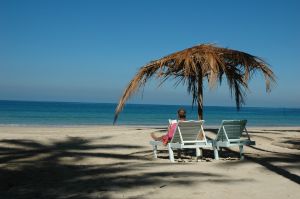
(88, 51)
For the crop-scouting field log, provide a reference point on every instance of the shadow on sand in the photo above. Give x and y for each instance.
(269, 161)
(30, 169)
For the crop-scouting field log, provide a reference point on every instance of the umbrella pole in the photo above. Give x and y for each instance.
(200, 99)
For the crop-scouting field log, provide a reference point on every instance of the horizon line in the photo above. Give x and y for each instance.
(78, 102)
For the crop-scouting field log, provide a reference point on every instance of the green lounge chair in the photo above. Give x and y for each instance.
(187, 135)
(229, 135)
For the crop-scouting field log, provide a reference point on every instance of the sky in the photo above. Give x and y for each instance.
(88, 51)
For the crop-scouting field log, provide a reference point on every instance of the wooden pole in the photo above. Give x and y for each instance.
(200, 93)
(200, 100)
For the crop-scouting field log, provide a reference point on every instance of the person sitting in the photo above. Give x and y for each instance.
(181, 113)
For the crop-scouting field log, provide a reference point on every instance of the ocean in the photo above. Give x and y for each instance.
(70, 113)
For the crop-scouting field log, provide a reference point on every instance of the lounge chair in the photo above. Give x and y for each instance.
(187, 135)
(229, 135)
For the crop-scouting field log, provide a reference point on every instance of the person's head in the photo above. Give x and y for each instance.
(181, 114)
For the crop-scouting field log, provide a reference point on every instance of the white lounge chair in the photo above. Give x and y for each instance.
(229, 135)
(187, 135)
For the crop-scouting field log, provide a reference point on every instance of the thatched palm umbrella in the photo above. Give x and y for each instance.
(192, 65)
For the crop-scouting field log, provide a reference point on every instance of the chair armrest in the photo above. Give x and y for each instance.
(157, 143)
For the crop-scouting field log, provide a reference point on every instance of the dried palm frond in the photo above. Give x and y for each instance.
(192, 65)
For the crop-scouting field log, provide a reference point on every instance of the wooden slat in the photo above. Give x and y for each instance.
(233, 128)
(189, 131)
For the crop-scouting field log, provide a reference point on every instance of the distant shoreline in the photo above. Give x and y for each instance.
(139, 126)
(143, 104)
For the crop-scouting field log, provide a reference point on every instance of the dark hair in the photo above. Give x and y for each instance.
(181, 113)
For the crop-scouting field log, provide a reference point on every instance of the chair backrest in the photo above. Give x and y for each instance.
(231, 130)
(188, 131)
(172, 121)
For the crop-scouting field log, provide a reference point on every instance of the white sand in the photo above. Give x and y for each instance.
(116, 162)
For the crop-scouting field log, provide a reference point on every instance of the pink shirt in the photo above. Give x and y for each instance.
(166, 138)
(172, 130)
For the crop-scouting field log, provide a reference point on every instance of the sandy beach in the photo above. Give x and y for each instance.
(116, 162)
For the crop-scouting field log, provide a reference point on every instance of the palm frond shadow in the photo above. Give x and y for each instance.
(31, 169)
(269, 162)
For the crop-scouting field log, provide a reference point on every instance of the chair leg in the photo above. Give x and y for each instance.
(171, 154)
(241, 152)
(179, 153)
(154, 151)
(216, 153)
(199, 152)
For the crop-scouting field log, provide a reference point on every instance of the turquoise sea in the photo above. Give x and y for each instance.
(69, 113)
